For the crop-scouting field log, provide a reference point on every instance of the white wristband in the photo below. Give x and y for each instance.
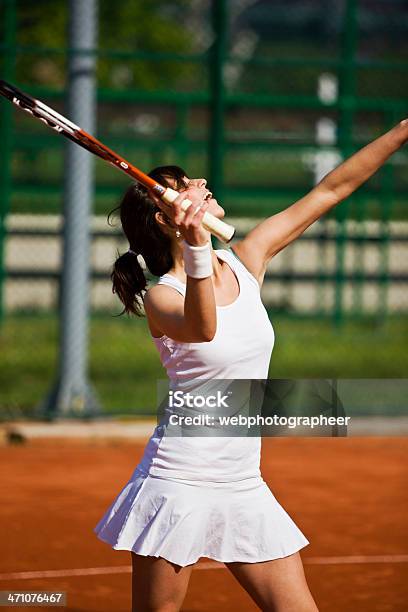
(197, 260)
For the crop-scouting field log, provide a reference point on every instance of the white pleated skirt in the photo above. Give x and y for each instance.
(182, 521)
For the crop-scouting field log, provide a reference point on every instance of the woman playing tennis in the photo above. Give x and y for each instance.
(193, 497)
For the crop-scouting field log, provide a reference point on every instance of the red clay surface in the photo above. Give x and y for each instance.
(348, 496)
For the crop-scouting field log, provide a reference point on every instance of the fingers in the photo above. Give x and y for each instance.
(191, 228)
(194, 214)
(196, 196)
(191, 225)
(187, 221)
(177, 208)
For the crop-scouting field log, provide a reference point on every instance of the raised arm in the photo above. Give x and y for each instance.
(276, 232)
(193, 318)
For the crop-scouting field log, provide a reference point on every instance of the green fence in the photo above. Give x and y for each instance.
(247, 120)
(261, 98)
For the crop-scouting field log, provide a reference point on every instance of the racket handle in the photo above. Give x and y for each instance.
(221, 230)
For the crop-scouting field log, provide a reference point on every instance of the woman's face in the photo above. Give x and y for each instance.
(214, 208)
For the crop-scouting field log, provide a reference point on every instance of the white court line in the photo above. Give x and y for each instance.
(355, 559)
(205, 565)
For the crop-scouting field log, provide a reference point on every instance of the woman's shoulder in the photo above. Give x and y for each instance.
(163, 286)
(166, 294)
(161, 299)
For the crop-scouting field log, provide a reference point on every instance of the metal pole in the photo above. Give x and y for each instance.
(387, 201)
(72, 395)
(6, 131)
(325, 160)
(217, 95)
(347, 99)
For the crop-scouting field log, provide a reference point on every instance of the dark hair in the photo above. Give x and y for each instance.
(137, 216)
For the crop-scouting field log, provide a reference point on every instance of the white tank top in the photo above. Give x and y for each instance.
(242, 345)
(240, 349)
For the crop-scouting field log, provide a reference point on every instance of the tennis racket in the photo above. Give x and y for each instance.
(63, 126)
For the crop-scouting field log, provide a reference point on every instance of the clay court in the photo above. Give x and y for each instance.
(348, 496)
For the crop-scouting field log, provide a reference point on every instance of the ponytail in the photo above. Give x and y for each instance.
(128, 282)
